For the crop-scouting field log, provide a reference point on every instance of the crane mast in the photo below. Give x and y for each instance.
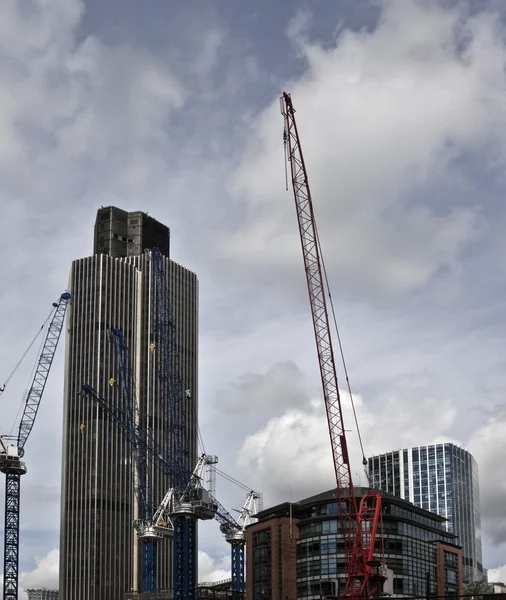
(235, 534)
(354, 529)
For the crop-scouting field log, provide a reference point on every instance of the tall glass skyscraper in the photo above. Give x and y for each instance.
(100, 556)
(441, 478)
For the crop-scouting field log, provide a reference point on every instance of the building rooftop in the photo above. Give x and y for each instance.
(297, 508)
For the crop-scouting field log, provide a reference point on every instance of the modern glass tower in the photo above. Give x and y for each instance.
(441, 478)
(100, 557)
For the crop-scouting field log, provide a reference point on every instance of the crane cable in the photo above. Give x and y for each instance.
(364, 460)
(233, 480)
(287, 159)
(24, 397)
(18, 364)
(200, 441)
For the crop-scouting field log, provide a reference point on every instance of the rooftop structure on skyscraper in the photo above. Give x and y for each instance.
(120, 234)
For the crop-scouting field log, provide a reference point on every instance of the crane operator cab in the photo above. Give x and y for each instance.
(202, 503)
(10, 459)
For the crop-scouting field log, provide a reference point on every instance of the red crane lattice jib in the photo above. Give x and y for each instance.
(351, 518)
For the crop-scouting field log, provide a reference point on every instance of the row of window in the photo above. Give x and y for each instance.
(318, 528)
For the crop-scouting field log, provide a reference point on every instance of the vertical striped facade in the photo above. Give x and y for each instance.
(100, 557)
(443, 479)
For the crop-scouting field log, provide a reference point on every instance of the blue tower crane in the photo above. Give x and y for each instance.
(11, 454)
(171, 390)
(235, 534)
(128, 419)
(137, 436)
(172, 398)
(177, 513)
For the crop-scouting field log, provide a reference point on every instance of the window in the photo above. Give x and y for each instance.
(262, 537)
(450, 559)
(261, 554)
(329, 527)
(262, 574)
(450, 576)
(261, 592)
(332, 508)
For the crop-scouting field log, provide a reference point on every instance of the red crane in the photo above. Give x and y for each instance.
(358, 524)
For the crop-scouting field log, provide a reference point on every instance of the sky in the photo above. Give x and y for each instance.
(173, 109)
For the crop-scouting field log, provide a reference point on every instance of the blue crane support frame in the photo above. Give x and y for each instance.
(143, 488)
(172, 396)
(237, 551)
(171, 389)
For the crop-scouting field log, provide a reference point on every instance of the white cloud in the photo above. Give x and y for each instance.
(45, 574)
(213, 569)
(291, 454)
(487, 446)
(497, 575)
(281, 386)
(75, 107)
(385, 117)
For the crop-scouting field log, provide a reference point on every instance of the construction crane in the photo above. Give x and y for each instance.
(172, 394)
(12, 453)
(136, 435)
(178, 513)
(236, 537)
(174, 416)
(358, 524)
(173, 436)
(149, 526)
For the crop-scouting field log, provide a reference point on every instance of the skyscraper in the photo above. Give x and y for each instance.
(441, 478)
(100, 557)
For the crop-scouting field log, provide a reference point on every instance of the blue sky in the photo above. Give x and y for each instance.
(173, 109)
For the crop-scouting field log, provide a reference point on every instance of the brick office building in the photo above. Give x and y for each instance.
(449, 569)
(295, 552)
(271, 553)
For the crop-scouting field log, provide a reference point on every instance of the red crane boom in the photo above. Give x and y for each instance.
(358, 525)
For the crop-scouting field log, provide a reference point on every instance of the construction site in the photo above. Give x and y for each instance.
(131, 427)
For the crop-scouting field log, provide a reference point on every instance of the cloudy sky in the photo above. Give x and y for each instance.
(172, 108)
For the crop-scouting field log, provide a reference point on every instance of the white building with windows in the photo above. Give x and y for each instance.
(42, 594)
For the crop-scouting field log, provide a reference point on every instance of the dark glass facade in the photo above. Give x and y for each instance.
(262, 559)
(441, 478)
(100, 556)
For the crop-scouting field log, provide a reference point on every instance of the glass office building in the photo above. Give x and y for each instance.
(441, 478)
(296, 551)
